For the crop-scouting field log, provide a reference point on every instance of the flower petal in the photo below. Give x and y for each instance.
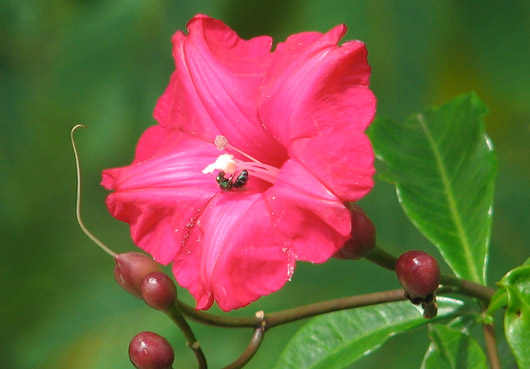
(216, 86)
(315, 88)
(313, 219)
(160, 197)
(239, 259)
(344, 163)
(319, 107)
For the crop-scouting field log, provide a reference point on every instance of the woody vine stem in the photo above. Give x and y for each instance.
(262, 322)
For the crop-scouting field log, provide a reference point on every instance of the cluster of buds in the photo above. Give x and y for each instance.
(141, 276)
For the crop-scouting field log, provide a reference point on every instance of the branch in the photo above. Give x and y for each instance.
(468, 288)
(291, 315)
(491, 345)
(344, 303)
(255, 342)
(176, 315)
(218, 320)
(306, 311)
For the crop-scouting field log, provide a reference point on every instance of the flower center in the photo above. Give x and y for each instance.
(228, 164)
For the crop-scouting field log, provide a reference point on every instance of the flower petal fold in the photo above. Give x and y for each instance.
(215, 86)
(313, 87)
(305, 212)
(241, 257)
(343, 163)
(318, 105)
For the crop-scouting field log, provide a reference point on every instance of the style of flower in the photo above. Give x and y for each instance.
(291, 121)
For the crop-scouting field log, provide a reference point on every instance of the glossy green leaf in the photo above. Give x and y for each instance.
(452, 349)
(443, 167)
(339, 339)
(517, 316)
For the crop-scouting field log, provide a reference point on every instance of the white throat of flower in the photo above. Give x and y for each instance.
(230, 165)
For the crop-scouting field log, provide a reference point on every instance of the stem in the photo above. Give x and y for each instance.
(175, 314)
(252, 348)
(218, 320)
(468, 288)
(78, 198)
(384, 259)
(491, 345)
(291, 315)
(429, 306)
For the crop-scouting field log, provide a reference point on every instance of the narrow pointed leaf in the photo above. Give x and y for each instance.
(443, 167)
(460, 323)
(517, 316)
(338, 339)
(452, 349)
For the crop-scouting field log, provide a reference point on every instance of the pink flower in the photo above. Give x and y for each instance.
(294, 119)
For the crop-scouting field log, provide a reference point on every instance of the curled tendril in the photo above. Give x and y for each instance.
(78, 198)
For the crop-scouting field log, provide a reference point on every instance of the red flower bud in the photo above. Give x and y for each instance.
(158, 291)
(130, 270)
(418, 273)
(363, 236)
(148, 350)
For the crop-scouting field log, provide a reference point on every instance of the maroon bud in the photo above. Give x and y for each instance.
(418, 273)
(158, 291)
(148, 350)
(363, 236)
(130, 270)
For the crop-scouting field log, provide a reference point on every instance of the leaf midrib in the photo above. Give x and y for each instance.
(451, 200)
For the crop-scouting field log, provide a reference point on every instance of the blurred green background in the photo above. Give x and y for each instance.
(104, 64)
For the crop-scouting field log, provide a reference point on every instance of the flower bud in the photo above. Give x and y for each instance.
(158, 291)
(148, 350)
(363, 236)
(418, 273)
(130, 270)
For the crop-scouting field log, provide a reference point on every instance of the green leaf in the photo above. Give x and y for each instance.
(517, 316)
(452, 349)
(339, 339)
(500, 298)
(443, 167)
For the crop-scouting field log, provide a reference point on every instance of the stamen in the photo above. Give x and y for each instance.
(259, 170)
(224, 162)
(220, 142)
(242, 153)
(227, 164)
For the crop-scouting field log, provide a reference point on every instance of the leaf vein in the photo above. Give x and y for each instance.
(451, 199)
